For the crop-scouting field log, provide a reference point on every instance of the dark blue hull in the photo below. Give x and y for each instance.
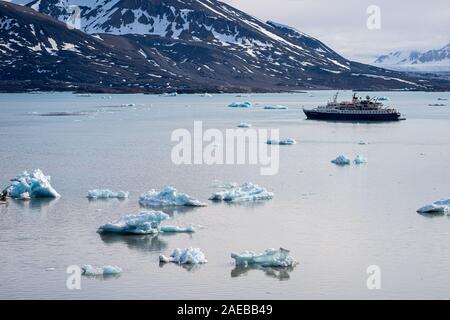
(314, 115)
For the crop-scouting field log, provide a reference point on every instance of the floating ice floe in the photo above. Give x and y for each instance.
(362, 142)
(185, 256)
(128, 105)
(277, 107)
(206, 95)
(270, 258)
(246, 192)
(240, 104)
(244, 125)
(143, 223)
(440, 206)
(35, 185)
(169, 196)
(282, 142)
(360, 159)
(171, 94)
(89, 270)
(106, 194)
(341, 160)
(176, 229)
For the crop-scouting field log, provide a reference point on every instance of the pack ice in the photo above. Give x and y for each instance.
(282, 142)
(247, 192)
(341, 161)
(35, 185)
(440, 206)
(106, 193)
(146, 222)
(89, 270)
(185, 256)
(269, 258)
(245, 104)
(169, 196)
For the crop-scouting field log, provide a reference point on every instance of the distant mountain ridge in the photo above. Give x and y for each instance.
(172, 45)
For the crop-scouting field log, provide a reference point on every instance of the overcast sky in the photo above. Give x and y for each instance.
(341, 24)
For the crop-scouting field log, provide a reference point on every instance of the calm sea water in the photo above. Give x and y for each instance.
(336, 221)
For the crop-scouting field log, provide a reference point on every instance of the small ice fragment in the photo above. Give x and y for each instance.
(206, 95)
(282, 142)
(270, 258)
(171, 94)
(89, 270)
(360, 159)
(240, 104)
(169, 196)
(244, 125)
(341, 161)
(382, 98)
(440, 206)
(176, 229)
(277, 107)
(106, 193)
(146, 222)
(185, 256)
(223, 184)
(35, 185)
(246, 192)
(362, 142)
(128, 105)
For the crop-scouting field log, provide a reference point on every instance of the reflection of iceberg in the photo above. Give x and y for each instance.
(143, 223)
(146, 243)
(282, 142)
(244, 125)
(185, 256)
(168, 197)
(89, 270)
(277, 107)
(341, 160)
(246, 192)
(440, 206)
(270, 258)
(245, 104)
(106, 194)
(35, 185)
(280, 273)
(360, 159)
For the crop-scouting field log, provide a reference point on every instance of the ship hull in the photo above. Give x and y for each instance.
(314, 115)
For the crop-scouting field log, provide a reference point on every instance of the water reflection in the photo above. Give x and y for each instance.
(280, 273)
(103, 277)
(37, 204)
(188, 267)
(137, 242)
(432, 215)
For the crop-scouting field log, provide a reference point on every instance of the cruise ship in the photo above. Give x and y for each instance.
(358, 109)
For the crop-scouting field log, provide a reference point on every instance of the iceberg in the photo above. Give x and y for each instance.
(277, 107)
(341, 161)
(244, 125)
(270, 258)
(441, 206)
(35, 185)
(360, 159)
(171, 94)
(282, 142)
(169, 196)
(89, 270)
(106, 194)
(246, 192)
(185, 256)
(240, 105)
(176, 229)
(146, 222)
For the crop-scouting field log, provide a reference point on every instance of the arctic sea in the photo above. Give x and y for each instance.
(337, 221)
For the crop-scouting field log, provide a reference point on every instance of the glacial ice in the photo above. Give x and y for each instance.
(341, 161)
(240, 104)
(244, 125)
(106, 193)
(246, 192)
(35, 185)
(89, 270)
(168, 197)
(176, 229)
(277, 107)
(146, 222)
(270, 258)
(282, 142)
(185, 256)
(440, 206)
(360, 159)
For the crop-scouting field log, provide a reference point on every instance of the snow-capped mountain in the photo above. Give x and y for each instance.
(429, 61)
(184, 45)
